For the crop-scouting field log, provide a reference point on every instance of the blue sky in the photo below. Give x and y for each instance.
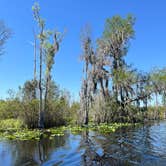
(147, 50)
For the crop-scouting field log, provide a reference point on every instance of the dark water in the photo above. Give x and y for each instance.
(144, 145)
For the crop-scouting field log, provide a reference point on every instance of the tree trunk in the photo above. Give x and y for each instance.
(41, 112)
(46, 93)
(102, 87)
(115, 68)
(35, 82)
(156, 111)
(86, 117)
(86, 120)
(34, 56)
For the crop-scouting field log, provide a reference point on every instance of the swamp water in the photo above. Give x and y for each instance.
(141, 145)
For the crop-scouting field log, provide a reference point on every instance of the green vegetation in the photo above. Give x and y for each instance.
(113, 93)
(60, 111)
(113, 90)
(11, 124)
(15, 130)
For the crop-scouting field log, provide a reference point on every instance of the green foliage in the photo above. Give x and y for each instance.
(72, 113)
(156, 113)
(55, 115)
(117, 92)
(36, 13)
(56, 131)
(10, 109)
(21, 135)
(109, 128)
(29, 90)
(29, 114)
(26, 106)
(11, 124)
(118, 26)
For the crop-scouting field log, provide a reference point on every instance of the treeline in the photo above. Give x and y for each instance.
(111, 91)
(22, 105)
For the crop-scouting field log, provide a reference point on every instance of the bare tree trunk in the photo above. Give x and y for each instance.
(102, 87)
(35, 78)
(86, 120)
(41, 112)
(115, 67)
(46, 93)
(34, 55)
(86, 117)
(156, 111)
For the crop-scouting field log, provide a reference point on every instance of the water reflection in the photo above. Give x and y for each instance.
(90, 156)
(29, 153)
(145, 145)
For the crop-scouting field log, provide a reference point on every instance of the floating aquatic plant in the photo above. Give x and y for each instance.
(19, 133)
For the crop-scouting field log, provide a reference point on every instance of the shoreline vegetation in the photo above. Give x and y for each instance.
(113, 93)
(12, 129)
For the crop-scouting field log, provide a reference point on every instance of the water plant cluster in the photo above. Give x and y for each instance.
(14, 130)
(109, 128)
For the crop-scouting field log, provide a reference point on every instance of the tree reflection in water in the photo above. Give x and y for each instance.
(91, 156)
(34, 153)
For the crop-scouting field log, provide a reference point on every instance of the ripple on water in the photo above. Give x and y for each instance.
(145, 145)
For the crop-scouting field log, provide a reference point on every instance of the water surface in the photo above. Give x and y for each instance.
(143, 145)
